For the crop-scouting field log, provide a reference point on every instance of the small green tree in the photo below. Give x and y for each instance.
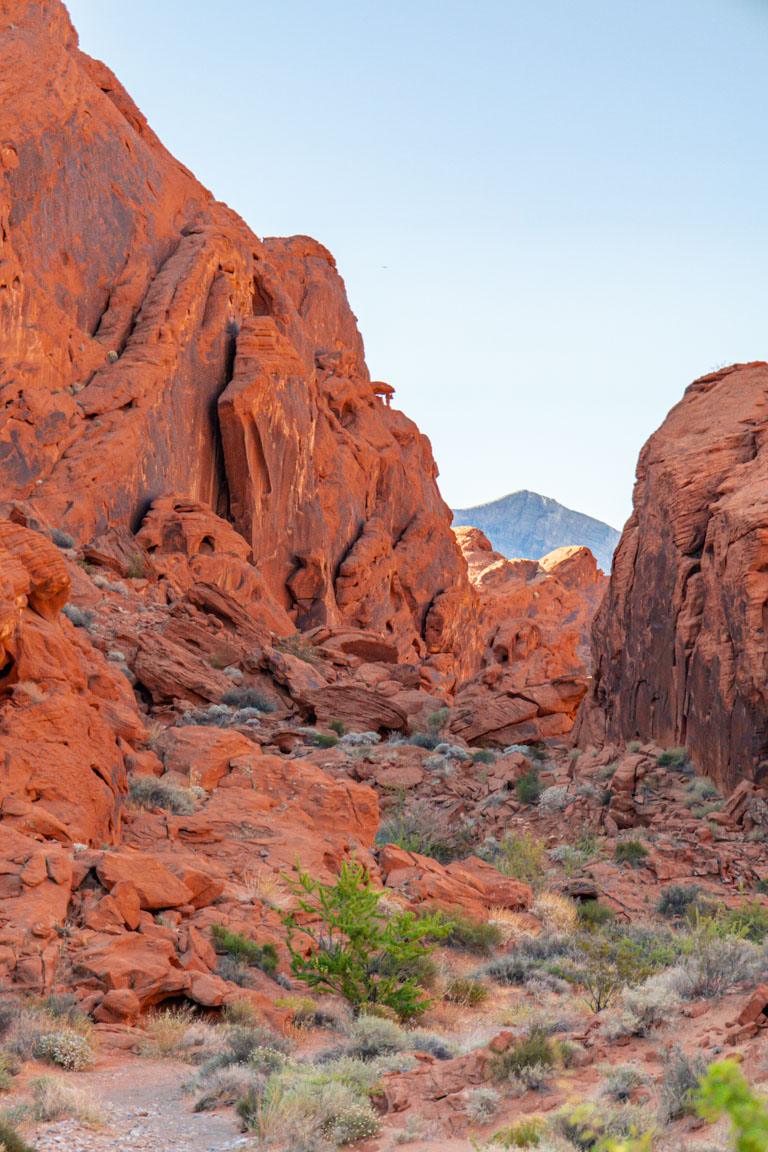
(725, 1091)
(358, 952)
(607, 963)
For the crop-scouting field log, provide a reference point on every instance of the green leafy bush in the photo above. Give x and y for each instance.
(336, 726)
(522, 857)
(675, 758)
(482, 756)
(523, 1134)
(466, 934)
(724, 1091)
(631, 852)
(593, 914)
(528, 786)
(534, 1050)
(359, 952)
(326, 740)
(263, 956)
(607, 963)
(676, 900)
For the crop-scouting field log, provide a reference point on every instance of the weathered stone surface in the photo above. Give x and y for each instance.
(151, 344)
(680, 643)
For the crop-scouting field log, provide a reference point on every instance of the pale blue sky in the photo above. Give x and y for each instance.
(550, 215)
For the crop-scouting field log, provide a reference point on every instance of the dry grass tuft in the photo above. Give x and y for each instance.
(54, 1099)
(268, 886)
(557, 911)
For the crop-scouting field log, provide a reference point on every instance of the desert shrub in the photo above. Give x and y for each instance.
(522, 857)
(236, 1044)
(62, 539)
(374, 1036)
(151, 792)
(529, 1062)
(482, 1104)
(700, 788)
(553, 799)
(263, 956)
(650, 1004)
(532, 955)
(221, 1086)
(631, 852)
(621, 1082)
(308, 1012)
(66, 1048)
(419, 827)
(80, 617)
(357, 739)
(432, 1043)
(358, 952)
(298, 646)
(762, 886)
(589, 1127)
(467, 991)
(556, 910)
(466, 934)
(676, 900)
(248, 698)
(165, 1032)
(11, 1141)
(337, 726)
(482, 756)
(522, 1134)
(528, 786)
(54, 1099)
(428, 740)
(302, 1107)
(720, 964)
(724, 1091)
(678, 1091)
(593, 914)
(675, 758)
(326, 740)
(606, 963)
(749, 921)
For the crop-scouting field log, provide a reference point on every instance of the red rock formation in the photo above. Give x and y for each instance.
(534, 619)
(151, 344)
(680, 642)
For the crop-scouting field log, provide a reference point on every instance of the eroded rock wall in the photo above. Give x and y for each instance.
(680, 642)
(151, 345)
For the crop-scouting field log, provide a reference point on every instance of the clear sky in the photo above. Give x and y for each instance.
(550, 214)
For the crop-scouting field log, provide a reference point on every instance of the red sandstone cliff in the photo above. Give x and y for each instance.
(680, 643)
(151, 344)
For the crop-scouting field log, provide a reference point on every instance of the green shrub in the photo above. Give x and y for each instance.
(428, 740)
(467, 991)
(621, 1082)
(607, 963)
(248, 698)
(724, 1091)
(337, 727)
(523, 1134)
(676, 900)
(762, 886)
(11, 1141)
(749, 921)
(326, 740)
(374, 1036)
(482, 756)
(359, 952)
(534, 1050)
(675, 758)
(631, 852)
(522, 857)
(263, 956)
(469, 935)
(593, 914)
(528, 787)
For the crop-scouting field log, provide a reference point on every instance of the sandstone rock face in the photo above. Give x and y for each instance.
(680, 645)
(151, 344)
(534, 619)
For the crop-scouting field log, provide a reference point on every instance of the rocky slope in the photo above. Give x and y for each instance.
(152, 345)
(525, 524)
(680, 645)
(534, 619)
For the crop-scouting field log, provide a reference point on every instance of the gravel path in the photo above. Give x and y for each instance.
(144, 1110)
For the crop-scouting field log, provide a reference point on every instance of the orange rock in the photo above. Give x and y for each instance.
(156, 886)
